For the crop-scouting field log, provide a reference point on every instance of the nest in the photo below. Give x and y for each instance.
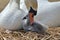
(53, 33)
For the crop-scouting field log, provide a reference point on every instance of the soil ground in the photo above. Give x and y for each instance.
(53, 33)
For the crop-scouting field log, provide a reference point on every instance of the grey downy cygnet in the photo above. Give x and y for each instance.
(30, 25)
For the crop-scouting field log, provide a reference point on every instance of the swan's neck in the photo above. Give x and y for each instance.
(42, 0)
(17, 1)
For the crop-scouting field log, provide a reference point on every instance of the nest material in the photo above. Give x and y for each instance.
(53, 33)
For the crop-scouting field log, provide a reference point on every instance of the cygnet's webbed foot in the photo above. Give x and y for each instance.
(35, 27)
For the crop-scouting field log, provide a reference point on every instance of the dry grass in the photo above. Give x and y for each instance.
(53, 33)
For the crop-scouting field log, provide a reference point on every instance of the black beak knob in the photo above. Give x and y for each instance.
(33, 11)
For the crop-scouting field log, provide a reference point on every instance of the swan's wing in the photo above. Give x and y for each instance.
(46, 9)
(23, 6)
(49, 14)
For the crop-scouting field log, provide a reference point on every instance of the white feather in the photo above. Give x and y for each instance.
(11, 16)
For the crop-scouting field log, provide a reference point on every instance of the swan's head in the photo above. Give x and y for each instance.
(32, 3)
(30, 16)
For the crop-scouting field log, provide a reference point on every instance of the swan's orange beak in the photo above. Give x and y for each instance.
(32, 13)
(31, 18)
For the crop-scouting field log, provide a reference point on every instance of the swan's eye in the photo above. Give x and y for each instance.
(24, 18)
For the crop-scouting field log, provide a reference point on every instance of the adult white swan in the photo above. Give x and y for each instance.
(11, 16)
(48, 13)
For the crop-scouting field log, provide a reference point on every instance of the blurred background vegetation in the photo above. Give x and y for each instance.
(3, 3)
